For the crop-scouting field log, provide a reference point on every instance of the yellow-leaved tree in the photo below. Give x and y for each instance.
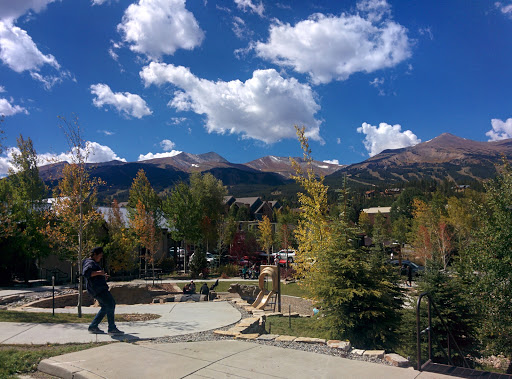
(266, 236)
(312, 232)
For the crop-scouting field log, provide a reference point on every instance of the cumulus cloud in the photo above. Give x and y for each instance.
(97, 153)
(506, 9)
(328, 47)
(248, 5)
(17, 49)
(333, 161)
(167, 145)
(265, 107)
(124, 102)
(386, 136)
(149, 156)
(500, 129)
(19, 52)
(11, 10)
(160, 27)
(7, 109)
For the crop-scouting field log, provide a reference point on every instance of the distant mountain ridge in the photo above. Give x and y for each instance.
(444, 157)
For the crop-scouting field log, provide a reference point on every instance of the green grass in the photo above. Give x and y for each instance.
(291, 289)
(63, 318)
(300, 327)
(23, 359)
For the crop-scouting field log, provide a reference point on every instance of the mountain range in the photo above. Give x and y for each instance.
(445, 157)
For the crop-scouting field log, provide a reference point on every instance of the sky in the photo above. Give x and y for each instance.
(152, 78)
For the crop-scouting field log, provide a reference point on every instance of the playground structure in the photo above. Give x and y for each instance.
(264, 296)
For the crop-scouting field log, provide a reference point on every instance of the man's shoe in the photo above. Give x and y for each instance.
(96, 330)
(115, 332)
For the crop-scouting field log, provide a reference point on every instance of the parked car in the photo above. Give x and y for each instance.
(416, 269)
(285, 255)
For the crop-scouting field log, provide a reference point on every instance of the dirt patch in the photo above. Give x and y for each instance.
(129, 317)
(123, 294)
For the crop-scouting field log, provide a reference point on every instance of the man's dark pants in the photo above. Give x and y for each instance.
(108, 306)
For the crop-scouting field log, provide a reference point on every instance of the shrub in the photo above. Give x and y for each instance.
(228, 271)
(167, 264)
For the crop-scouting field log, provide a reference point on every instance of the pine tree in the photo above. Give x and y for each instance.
(358, 294)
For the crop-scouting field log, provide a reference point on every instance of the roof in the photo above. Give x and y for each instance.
(247, 200)
(105, 211)
(375, 210)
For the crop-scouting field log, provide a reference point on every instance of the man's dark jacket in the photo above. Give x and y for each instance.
(96, 284)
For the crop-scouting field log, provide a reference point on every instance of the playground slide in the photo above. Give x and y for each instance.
(262, 300)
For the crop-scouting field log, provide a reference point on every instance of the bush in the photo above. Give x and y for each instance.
(198, 264)
(228, 271)
(167, 265)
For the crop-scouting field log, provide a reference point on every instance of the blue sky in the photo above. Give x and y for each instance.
(150, 78)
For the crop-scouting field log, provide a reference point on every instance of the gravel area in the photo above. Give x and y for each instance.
(33, 296)
(312, 348)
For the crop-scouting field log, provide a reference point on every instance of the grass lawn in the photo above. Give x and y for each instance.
(291, 289)
(23, 359)
(300, 327)
(62, 318)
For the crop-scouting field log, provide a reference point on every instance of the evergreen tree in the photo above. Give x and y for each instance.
(358, 293)
(489, 264)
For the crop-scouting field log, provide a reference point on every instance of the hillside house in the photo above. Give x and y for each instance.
(372, 212)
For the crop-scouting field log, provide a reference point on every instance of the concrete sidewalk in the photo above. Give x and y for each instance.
(214, 359)
(176, 319)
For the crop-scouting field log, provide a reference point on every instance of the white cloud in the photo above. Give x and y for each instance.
(2, 89)
(99, 2)
(149, 156)
(333, 161)
(124, 102)
(500, 129)
(177, 120)
(240, 29)
(167, 145)
(12, 9)
(504, 8)
(106, 132)
(328, 47)
(19, 52)
(386, 136)
(338, 140)
(265, 107)
(246, 5)
(7, 109)
(160, 27)
(17, 49)
(97, 153)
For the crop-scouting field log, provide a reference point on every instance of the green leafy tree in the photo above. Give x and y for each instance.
(198, 264)
(23, 207)
(183, 216)
(208, 193)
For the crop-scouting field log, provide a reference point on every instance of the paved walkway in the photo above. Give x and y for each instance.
(176, 319)
(214, 359)
(135, 357)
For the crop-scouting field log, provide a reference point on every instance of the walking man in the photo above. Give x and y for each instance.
(96, 284)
